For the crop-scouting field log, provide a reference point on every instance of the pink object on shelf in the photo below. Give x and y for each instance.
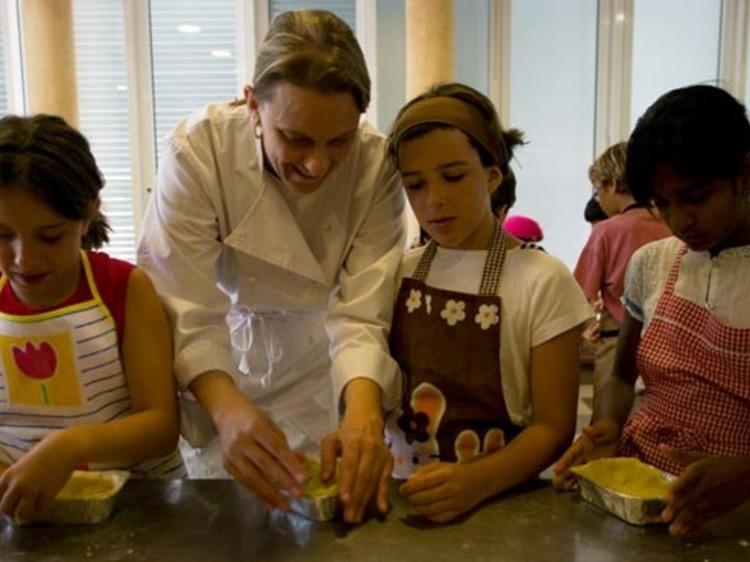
(524, 228)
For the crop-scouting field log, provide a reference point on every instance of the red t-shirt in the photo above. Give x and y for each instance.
(111, 277)
(604, 259)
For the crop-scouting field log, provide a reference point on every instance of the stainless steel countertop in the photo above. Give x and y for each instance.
(216, 520)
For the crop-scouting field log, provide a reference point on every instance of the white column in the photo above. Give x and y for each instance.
(614, 72)
(734, 45)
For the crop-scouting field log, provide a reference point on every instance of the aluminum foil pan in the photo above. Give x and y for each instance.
(632, 509)
(318, 501)
(637, 511)
(317, 508)
(89, 508)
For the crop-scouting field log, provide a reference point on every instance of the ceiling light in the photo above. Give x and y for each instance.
(189, 28)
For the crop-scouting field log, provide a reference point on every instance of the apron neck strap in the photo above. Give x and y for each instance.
(493, 265)
(423, 267)
(674, 271)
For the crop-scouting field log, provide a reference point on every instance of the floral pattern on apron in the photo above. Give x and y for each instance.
(448, 346)
(697, 376)
(62, 368)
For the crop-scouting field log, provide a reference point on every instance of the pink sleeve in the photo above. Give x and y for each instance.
(589, 271)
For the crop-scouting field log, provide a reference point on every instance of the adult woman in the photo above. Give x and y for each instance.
(281, 217)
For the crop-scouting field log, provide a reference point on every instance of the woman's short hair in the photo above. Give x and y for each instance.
(312, 49)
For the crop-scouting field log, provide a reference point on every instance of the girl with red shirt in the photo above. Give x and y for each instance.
(85, 351)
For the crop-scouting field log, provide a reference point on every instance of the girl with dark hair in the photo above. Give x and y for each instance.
(486, 333)
(686, 328)
(85, 352)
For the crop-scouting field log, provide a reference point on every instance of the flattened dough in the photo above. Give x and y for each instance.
(627, 476)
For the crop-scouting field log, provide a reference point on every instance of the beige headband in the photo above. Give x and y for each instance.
(448, 111)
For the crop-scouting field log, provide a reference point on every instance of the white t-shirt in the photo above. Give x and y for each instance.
(718, 283)
(540, 300)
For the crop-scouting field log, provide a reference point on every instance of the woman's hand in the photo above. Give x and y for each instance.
(442, 491)
(255, 451)
(709, 486)
(29, 485)
(596, 441)
(366, 461)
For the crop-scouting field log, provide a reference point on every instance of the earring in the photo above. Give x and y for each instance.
(258, 131)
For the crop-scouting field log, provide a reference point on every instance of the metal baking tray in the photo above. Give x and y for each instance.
(71, 510)
(631, 509)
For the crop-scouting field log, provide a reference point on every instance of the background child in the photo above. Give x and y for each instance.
(686, 330)
(593, 212)
(525, 229)
(601, 267)
(491, 382)
(85, 354)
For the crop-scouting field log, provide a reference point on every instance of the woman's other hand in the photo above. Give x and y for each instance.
(366, 461)
(254, 450)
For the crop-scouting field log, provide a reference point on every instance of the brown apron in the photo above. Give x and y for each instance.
(448, 346)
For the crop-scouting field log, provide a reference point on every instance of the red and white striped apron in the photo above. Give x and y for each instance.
(62, 368)
(697, 376)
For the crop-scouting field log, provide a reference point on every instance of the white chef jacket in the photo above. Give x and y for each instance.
(224, 242)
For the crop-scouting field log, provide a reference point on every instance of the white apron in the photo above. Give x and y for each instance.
(285, 370)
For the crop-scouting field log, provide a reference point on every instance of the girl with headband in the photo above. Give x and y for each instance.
(486, 333)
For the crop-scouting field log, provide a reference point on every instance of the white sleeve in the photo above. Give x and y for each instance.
(558, 303)
(360, 309)
(634, 292)
(181, 249)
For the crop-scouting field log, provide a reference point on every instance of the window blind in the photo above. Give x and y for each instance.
(103, 111)
(3, 64)
(194, 57)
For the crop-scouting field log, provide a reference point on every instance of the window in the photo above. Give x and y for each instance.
(472, 38)
(675, 43)
(3, 64)
(11, 83)
(193, 48)
(552, 90)
(103, 112)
